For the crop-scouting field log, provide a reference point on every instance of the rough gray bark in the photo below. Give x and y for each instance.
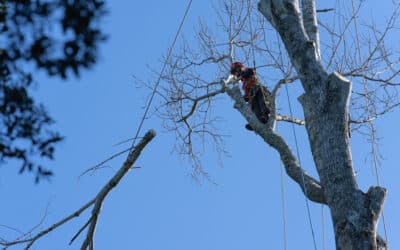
(309, 16)
(325, 103)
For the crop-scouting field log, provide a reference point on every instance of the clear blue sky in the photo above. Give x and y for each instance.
(159, 206)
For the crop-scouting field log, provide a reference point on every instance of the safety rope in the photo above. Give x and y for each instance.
(302, 173)
(161, 73)
(323, 227)
(283, 207)
(370, 122)
(297, 149)
(251, 35)
(281, 169)
(132, 147)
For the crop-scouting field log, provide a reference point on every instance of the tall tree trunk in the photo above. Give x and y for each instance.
(325, 103)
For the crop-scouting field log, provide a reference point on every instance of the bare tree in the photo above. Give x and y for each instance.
(291, 47)
(288, 40)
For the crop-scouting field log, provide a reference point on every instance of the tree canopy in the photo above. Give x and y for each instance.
(58, 37)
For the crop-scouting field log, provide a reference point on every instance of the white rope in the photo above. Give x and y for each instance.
(283, 208)
(323, 227)
(302, 173)
(132, 147)
(161, 73)
(281, 168)
(251, 35)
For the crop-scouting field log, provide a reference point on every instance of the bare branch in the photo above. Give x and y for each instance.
(314, 189)
(325, 10)
(196, 101)
(97, 166)
(289, 119)
(376, 115)
(32, 240)
(387, 81)
(132, 157)
(80, 231)
(274, 94)
(97, 201)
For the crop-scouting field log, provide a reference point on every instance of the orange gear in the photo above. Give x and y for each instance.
(249, 79)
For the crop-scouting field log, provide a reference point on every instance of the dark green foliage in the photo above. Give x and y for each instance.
(60, 37)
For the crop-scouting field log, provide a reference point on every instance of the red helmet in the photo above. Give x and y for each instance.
(237, 67)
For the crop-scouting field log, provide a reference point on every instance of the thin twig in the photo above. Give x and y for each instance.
(132, 157)
(325, 10)
(97, 166)
(31, 240)
(80, 231)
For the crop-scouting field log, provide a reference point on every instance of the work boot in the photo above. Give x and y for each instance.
(248, 127)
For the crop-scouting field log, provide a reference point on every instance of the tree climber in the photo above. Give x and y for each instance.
(256, 94)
